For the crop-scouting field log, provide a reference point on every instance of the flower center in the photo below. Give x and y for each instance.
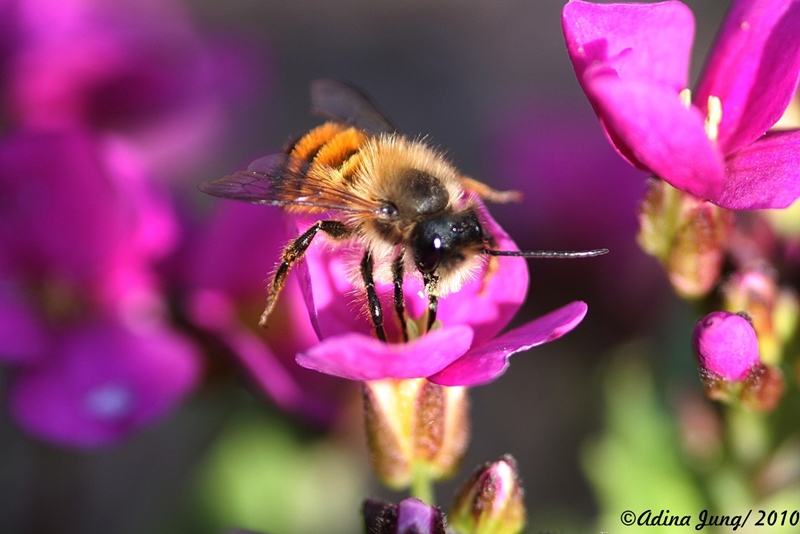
(714, 116)
(417, 327)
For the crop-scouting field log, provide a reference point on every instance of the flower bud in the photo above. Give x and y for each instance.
(491, 501)
(726, 345)
(773, 311)
(727, 349)
(411, 516)
(686, 234)
(415, 425)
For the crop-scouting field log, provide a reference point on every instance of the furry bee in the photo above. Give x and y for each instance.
(409, 208)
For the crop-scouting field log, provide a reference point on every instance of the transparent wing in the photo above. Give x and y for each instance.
(342, 102)
(282, 180)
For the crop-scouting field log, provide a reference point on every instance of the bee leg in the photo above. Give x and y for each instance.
(399, 300)
(487, 193)
(374, 304)
(433, 299)
(293, 252)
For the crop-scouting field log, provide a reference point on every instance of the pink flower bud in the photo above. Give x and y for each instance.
(726, 345)
(491, 501)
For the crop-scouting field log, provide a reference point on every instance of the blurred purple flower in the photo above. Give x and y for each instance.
(100, 381)
(726, 345)
(411, 516)
(554, 153)
(80, 212)
(23, 337)
(134, 68)
(224, 295)
(465, 351)
(102, 98)
(632, 62)
(79, 230)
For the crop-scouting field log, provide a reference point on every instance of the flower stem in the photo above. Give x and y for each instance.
(748, 436)
(422, 484)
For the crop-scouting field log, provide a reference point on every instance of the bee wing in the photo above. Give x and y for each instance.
(283, 180)
(342, 102)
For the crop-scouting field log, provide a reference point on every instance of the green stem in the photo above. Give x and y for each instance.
(422, 484)
(748, 436)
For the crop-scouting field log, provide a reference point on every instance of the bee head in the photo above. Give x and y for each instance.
(444, 241)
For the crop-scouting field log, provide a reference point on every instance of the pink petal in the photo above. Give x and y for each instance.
(660, 132)
(103, 384)
(335, 305)
(765, 174)
(23, 336)
(239, 249)
(360, 357)
(753, 68)
(216, 312)
(648, 41)
(44, 224)
(416, 517)
(485, 363)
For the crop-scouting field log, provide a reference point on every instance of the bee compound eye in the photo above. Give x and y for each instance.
(428, 254)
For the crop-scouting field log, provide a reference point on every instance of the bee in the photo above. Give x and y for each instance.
(401, 199)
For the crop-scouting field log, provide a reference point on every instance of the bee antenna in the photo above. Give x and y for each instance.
(546, 253)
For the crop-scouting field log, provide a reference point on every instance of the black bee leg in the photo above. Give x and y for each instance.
(375, 309)
(433, 299)
(399, 300)
(293, 252)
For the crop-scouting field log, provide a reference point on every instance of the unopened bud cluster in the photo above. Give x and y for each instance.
(489, 502)
(686, 234)
(694, 241)
(772, 310)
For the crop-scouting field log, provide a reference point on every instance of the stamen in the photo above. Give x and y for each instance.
(686, 97)
(714, 117)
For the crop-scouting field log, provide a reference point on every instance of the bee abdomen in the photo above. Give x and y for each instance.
(334, 145)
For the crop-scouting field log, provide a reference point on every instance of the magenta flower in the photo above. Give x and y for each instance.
(137, 69)
(224, 295)
(545, 150)
(101, 381)
(23, 336)
(726, 345)
(632, 61)
(85, 329)
(411, 516)
(101, 99)
(465, 351)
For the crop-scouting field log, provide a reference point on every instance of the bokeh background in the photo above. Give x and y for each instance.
(488, 81)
